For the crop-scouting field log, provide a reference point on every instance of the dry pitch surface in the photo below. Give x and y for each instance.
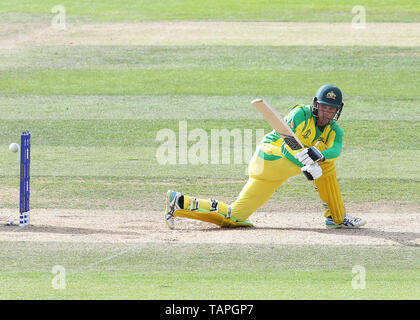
(387, 225)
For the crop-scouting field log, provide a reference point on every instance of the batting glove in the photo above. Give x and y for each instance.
(309, 156)
(312, 172)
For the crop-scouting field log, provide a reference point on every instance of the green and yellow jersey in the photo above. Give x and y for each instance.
(303, 123)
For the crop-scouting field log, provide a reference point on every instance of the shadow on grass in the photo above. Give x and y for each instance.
(400, 237)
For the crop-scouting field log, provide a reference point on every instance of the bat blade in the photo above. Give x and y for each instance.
(277, 123)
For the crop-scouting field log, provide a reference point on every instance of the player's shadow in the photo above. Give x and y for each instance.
(403, 238)
(65, 230)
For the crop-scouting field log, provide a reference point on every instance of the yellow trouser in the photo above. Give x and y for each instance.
(265, 176)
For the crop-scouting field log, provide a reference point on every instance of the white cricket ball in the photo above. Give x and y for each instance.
(14, 147)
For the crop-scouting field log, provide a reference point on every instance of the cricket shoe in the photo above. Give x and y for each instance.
(172, 205)
(349, 222)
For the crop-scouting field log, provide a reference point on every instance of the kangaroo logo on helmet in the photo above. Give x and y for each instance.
(330, 95)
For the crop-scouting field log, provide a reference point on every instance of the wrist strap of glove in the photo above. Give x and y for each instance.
(308, 175)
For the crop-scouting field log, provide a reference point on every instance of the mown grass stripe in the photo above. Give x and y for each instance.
(297, 58)
(211, 82)
(234, 10)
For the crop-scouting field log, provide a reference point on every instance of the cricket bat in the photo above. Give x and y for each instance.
(277, 123)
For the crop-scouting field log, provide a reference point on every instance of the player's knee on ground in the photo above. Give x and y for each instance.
(211, 210)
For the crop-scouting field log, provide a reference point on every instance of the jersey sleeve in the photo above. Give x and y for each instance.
(335, 143)
(296, 120)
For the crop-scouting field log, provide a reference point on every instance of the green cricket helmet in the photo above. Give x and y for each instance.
(331, 96)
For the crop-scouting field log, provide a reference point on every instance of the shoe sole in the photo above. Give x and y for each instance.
(333, 226)
(343, 227)
(168, 208)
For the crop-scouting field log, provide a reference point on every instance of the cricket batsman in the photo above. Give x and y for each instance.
(274, 163)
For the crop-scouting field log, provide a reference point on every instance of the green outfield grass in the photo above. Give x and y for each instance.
(95, 113)
(261, 10)
(175, 271)
(210, 82)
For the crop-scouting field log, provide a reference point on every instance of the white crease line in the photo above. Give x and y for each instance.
(105, 259)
